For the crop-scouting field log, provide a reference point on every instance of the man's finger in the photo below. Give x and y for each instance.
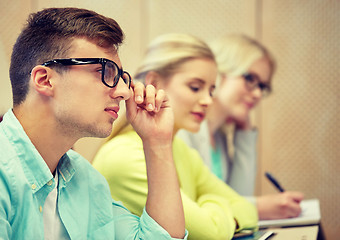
(139, 89)
(150, 96)
(161, 100)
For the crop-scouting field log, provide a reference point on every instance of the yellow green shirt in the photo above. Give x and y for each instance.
(210, 206)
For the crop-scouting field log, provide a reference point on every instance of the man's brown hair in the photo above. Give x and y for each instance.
(48, 34)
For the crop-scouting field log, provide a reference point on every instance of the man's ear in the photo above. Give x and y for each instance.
(40, 79)
(154, 79)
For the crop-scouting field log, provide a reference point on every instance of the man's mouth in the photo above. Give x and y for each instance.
(113, 111)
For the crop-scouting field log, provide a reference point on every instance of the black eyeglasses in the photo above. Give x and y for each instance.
(111, 73)
(253, 81)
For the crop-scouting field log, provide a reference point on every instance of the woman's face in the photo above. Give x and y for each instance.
(236, 98)
(190, 92)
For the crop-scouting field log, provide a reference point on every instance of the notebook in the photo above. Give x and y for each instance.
(310, 215)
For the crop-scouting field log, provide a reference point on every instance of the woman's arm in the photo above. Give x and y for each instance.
(210, 206)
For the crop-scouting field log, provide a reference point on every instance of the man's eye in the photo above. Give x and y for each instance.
(98, 68)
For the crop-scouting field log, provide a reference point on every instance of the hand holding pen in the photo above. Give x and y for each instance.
(286, 204)
(274, 182)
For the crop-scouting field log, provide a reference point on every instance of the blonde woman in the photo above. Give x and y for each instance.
(185, 68)
(245, 73)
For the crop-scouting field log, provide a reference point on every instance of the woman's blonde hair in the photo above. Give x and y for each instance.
(164, 55)
(167, 52)
(235, 53)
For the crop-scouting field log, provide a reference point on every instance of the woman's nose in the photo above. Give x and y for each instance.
(206, 99)
(257, 93)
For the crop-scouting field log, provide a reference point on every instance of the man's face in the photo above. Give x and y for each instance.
(82, 104)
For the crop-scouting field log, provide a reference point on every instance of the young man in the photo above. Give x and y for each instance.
(67, 83)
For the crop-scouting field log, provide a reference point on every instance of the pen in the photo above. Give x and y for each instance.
(274, 181)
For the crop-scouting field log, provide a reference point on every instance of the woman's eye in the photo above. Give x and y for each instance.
(194, 89)
(211, 93)
(249, 78)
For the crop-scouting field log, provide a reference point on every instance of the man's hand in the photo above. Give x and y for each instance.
(279, 206)
(149, 113)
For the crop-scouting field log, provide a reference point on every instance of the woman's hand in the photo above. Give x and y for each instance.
(279, 206)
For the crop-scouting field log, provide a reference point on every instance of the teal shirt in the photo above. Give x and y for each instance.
(216, 162)
(84, 203)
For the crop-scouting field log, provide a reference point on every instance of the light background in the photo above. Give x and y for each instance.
(299, 123)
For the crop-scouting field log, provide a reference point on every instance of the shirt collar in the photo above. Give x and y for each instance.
(34, 166)
(65, 169)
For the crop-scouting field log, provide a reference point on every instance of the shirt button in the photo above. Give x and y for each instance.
(49, 183)
(34, 186)
(40, 208)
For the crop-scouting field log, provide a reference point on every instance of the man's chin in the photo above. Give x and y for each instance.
(105, 134)
(101, 133)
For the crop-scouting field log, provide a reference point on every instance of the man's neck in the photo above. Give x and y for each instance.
(44, 135)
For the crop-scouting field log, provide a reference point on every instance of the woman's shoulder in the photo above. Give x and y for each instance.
(120, 150)
(182, 150)
(125, 140)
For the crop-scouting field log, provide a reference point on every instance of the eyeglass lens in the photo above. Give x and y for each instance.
(253, 82)
(112, 74)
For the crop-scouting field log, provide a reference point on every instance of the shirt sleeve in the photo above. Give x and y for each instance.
(5, 204)
(243, 173)
(129, 226)
(5, 228)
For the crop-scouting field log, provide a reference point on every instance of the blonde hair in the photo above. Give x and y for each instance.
(167, 52)
(235, 53)
(164, 55)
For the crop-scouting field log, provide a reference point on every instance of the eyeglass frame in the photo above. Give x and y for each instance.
(253, 81)
(84, 61)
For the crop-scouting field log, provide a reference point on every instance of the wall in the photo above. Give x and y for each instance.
(298, 124)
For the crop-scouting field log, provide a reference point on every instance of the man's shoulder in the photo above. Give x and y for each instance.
(12, 174)
(7, 149)
(9, 128)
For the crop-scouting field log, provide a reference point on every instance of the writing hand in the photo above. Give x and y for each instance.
(279, 206)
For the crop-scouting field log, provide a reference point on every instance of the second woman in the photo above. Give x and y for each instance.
(185, 68)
